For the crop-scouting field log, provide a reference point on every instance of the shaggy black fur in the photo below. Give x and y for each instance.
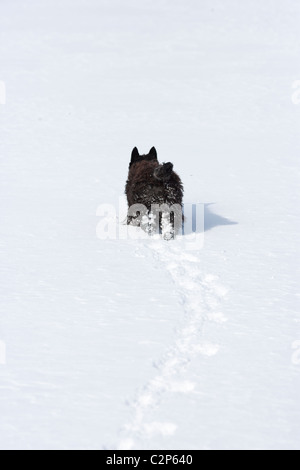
(150, 182)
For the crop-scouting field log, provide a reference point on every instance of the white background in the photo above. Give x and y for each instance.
(131, 344)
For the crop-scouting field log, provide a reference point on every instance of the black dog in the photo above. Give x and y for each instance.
(150, 184)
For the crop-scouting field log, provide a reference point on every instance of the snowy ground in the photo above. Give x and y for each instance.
(138, 344)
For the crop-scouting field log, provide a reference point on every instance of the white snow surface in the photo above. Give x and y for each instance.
(142, 344)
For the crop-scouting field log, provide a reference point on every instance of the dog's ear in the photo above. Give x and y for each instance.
(134, 155)
(153, 153)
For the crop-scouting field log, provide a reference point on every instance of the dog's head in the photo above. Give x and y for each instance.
(136, 157)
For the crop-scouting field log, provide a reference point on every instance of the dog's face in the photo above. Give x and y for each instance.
(136, 157)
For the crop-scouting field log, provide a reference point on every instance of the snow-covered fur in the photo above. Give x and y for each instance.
(150, 183)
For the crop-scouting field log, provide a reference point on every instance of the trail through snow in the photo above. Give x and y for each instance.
(201, 296)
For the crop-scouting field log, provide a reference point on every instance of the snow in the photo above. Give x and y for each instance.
(140, 343)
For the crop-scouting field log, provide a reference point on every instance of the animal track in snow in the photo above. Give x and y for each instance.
(200, 295)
